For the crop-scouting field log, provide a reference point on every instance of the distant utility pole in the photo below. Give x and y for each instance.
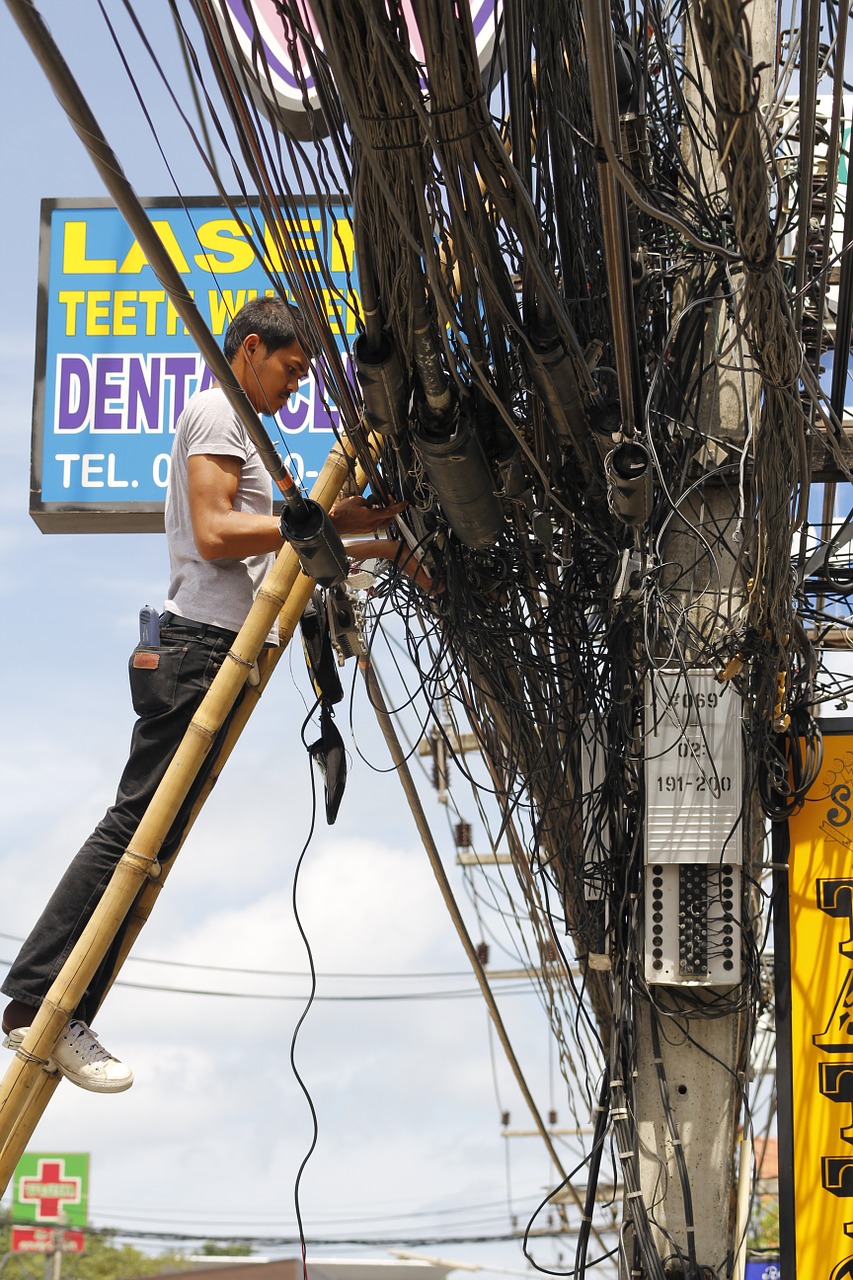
(53, 1260)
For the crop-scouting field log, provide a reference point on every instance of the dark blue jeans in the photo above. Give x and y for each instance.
(165, 698)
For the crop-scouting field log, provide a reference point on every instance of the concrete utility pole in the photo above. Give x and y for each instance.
(692, 1038)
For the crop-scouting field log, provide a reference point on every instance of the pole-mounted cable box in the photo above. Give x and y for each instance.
(693, 829)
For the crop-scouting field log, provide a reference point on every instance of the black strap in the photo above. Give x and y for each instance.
(331, 758)
(319, 654)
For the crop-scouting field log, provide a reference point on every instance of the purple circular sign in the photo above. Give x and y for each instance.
(287, 85)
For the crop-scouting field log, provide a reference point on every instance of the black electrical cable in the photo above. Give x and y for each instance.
(297, 1075)
(479, 237)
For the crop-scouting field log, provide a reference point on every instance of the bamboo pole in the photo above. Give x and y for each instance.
(83, 122)
(26, 1120)
(325, 491)
(25, 1089)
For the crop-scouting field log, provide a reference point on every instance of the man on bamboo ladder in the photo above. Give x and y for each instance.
(222, 538)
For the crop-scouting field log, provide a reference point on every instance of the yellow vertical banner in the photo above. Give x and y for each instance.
(820, 919)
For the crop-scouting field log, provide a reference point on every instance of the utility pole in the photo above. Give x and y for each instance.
(53, 1260)
(693, 1029)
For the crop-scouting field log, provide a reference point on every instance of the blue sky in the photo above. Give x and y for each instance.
(210, 1137)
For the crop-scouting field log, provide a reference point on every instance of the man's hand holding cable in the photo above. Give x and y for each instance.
(356, 517)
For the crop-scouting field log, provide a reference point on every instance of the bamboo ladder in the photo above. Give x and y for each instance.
(27, 1088)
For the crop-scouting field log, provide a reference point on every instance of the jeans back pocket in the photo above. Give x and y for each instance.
(154, 675)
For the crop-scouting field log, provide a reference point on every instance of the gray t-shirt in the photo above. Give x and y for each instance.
(219, 592)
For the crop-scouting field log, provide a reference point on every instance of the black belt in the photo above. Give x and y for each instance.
(197, 628)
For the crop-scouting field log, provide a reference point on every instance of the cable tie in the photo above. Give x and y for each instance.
(733, 113)
(762, 267)
(615, 1083)
(241, 662)
(23, 1053)
(625, 1155)
(479, 96)
(633, 1195)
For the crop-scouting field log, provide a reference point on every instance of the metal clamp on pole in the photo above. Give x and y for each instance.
(315, 540)
(629, 479)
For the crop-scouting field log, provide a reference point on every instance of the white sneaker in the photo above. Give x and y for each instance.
(82, 1059)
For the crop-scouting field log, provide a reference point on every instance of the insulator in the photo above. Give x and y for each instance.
(553, 375)
(604, 422)
(511, 469)
(440, 770)
(483, 952)
(629, 81)
(459, 471)
(427, 361)
(462, 832)
(629, 476)
(383, 386)
(542, 528)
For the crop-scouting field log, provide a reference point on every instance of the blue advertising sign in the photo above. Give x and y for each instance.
(115, 365)
(763, 1271)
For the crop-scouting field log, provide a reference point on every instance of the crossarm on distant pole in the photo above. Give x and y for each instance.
(377, 701)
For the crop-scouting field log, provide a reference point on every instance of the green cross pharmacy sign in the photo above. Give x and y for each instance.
(50, 1192)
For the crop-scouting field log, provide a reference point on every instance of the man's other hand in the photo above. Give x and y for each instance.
(354, 517)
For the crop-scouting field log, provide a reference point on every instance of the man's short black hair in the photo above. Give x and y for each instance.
(276, 323)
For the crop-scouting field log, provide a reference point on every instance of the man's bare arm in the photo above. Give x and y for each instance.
(221, 532)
